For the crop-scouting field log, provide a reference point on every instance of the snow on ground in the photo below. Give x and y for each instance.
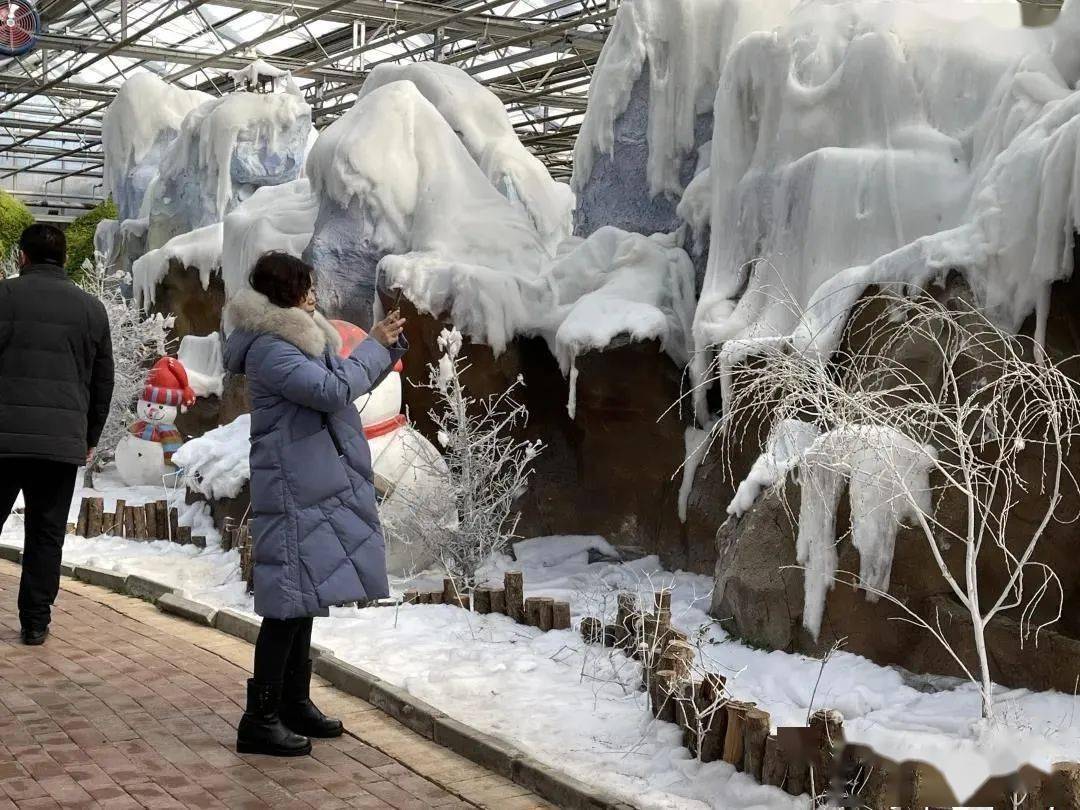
(576, 707)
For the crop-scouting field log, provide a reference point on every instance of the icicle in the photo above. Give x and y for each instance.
(571, 402)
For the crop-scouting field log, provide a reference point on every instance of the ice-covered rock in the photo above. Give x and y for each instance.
(392, 177)
(136, 129)
(479, 118)
(647, 129)
(273, 218)
(866, 143)
(199, 250)
(227, 148)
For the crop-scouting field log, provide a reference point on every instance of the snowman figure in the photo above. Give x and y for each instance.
(403, 462)
(145, 454)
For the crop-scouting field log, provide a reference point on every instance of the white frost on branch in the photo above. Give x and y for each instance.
(469, 516)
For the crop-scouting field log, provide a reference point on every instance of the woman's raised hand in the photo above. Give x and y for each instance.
(388, 330)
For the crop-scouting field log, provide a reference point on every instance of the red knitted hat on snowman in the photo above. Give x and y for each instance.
(167, 384)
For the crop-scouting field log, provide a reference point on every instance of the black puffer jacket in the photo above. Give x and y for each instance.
(56, 366)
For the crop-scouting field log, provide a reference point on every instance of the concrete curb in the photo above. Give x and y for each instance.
(490, 752)
(101, 577)
(148, 589)
(187, 609)
(236, 624)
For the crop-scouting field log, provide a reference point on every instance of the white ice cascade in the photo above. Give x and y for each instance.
(865, 143)
(685, 44)
(887, 475)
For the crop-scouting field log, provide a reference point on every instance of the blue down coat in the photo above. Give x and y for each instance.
(314, 525)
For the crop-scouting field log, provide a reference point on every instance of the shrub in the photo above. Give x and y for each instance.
(80, 235)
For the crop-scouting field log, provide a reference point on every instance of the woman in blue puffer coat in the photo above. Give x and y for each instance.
(315, 528)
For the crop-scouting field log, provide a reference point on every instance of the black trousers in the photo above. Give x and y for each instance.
(283, 646)
(47, 487)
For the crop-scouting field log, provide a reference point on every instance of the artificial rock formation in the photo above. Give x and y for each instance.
(613, 469)
(759, 592)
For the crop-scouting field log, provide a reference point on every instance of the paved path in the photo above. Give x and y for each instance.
(126, 707)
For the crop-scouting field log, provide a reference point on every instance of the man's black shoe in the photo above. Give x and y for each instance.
(35, 638)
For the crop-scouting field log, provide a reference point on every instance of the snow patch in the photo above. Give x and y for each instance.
(201, 358)
(787, 444)
(216, 463)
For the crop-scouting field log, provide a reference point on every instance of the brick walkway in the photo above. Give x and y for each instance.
(127, 707)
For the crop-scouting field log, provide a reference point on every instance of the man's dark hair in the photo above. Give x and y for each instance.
(282, 278)
(44, 244)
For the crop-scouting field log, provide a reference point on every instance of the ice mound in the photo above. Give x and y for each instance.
(392, 176)
(226, 149)
(479, 118)
(199, 249)
(136, 129)
(403, 199)
(273, 218)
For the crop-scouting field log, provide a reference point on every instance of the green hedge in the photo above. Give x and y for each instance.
(14, 216)
(80, 235)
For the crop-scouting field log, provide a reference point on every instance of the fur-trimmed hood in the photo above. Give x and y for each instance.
(253, 314)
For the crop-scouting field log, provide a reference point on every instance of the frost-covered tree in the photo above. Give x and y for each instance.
(137, 341)
(487, 467)
(971, 447)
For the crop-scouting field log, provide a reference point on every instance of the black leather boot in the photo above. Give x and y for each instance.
(261, 730)
(297, 710)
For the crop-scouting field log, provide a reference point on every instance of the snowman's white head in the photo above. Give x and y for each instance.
(155, 412)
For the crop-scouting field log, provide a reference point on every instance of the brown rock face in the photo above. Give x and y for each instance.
(612, 470)
(762, 601)
(180, 293)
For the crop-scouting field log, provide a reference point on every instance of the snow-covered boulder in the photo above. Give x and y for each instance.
(137, 127)
(479, 118)
(226, 149)
(392, 177)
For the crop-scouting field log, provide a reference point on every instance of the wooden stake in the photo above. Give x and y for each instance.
(423, 598)
(1061, 788)
(198, 540)
(120, 518)
(150, 508)
(534, 609)
(94, 516)
(736, 728)
(560, 616)
(773, 767)
(514, 583)
(141, 532)
(436, 597)
(592, 631)
(663, 698)
(163, 520)
(686, 713)
(482, 600)
(547, 609)
(626, 618)
(827, 731)
(129, 522)
(108, 523)
(662, 601)
(84, 513)
(498, 600)
(174, 525)
(449, 591)
(184, 535)
(755, 733)
(613, 635)
(410, 597)
(712, 716)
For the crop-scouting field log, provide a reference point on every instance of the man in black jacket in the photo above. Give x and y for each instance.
(56, 381)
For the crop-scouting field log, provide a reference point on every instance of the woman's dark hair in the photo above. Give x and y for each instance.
(282, 278)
